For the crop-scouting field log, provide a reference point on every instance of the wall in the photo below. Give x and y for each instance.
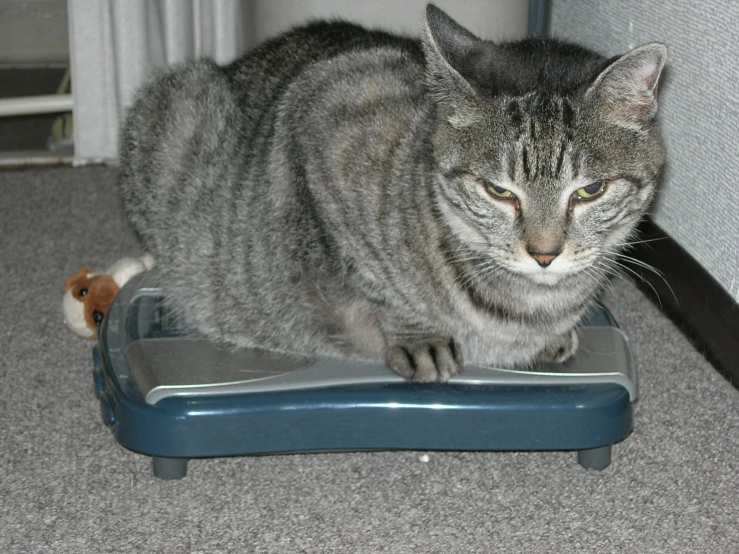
(492, 19)
(699, 106)
(33, 32)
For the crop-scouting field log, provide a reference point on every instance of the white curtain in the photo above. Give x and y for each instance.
(116, 44)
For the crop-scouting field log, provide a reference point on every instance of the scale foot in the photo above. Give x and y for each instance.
(595, 458)
(169, 468)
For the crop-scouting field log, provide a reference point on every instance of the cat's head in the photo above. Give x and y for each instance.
(547, 154)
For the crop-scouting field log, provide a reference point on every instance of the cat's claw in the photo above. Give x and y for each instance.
(426, 361)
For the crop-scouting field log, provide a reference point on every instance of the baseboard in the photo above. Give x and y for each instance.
(694, 300)
(36, 159)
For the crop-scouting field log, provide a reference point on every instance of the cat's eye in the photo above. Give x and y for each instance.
(500, 192)
(591, 191)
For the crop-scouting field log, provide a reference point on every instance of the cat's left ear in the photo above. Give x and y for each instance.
(627, 88)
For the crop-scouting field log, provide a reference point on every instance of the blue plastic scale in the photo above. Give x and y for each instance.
(175, 397)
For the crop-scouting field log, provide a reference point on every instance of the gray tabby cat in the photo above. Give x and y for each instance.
(350, 193)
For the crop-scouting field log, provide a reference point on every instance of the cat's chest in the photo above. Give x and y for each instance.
(512, 319)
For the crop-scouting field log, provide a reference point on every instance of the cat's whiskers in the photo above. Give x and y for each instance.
(610, 272)
(476, 273)
(627, 244)
(618, 266)
(640, 263)
(481, 267)
(648, 267)
(600, 277)
(485, 272)
(489, 276)
(463, 259)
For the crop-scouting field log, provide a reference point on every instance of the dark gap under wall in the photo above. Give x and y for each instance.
(691, 297)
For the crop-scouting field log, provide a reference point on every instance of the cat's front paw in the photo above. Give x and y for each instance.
(562, 349)
(426, 360)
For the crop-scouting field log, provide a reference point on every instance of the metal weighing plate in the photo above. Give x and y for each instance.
(172, 395)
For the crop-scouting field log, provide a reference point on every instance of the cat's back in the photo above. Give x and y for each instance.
(276, 62)
(195, 126)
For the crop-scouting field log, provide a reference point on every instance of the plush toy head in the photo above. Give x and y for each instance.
(87, 297)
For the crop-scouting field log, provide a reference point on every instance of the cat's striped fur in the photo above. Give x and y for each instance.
(329, 193)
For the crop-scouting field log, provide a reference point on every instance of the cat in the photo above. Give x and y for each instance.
(350, 193)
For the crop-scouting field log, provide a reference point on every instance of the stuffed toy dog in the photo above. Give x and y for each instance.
(88, 295)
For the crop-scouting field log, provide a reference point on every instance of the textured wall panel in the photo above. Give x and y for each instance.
(699, 105)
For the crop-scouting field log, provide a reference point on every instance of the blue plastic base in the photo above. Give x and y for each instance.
(385, 416)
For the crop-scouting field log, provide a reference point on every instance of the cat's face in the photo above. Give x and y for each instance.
(542, 176)
(544, 179)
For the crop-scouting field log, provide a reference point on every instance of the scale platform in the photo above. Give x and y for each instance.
(175, 396)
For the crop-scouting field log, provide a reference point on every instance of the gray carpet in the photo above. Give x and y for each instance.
(67, 486)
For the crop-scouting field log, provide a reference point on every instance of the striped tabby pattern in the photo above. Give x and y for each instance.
(351, 193)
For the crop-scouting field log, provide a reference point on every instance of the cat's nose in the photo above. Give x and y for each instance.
(543, 258)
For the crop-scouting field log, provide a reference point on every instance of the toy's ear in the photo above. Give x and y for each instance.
(100, 296)
(125, 268)
(79, 279)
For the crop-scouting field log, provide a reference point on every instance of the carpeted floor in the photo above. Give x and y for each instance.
(67, 487)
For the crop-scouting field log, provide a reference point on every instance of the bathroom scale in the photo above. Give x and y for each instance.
(176, 396)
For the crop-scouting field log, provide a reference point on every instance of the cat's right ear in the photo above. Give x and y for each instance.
(447, 45)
